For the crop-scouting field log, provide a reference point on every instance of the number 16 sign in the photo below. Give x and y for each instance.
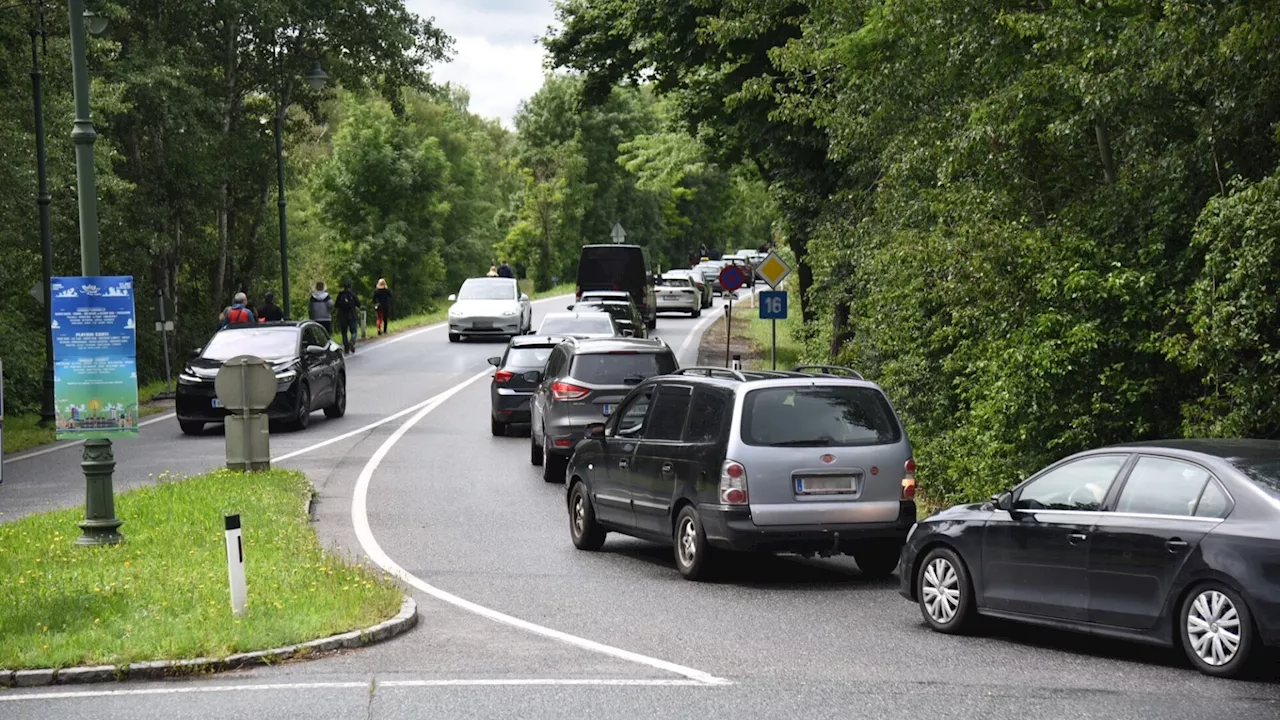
(773, 305)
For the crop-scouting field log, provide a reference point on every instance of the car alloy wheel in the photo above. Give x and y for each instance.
(687, 542)
(1217, 630)
(940, 590)
(339, 406)
(587, 533)
(694, 555)
(304, 407)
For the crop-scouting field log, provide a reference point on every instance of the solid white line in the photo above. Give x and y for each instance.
(696, 332)
(350, 685)
(360, 520)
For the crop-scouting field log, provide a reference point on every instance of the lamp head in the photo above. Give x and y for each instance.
(96, 23)
(317, 77)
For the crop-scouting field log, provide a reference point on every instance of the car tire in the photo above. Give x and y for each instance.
(535, 450)
(877, 560)
(454, 337)
(497, 428)
(587, 534)
(945, 592)
(653, 323)
(302, 413)
(696, 313)
(1212, 608)
(694, 555)
(339, 406)
(191, 427)
(553, 466)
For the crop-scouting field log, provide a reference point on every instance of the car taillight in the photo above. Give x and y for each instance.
(503, 376)
(568, 391)
(733, 483)
(909, 480)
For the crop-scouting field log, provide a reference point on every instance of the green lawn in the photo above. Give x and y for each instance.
(162, 594)
(789, 348)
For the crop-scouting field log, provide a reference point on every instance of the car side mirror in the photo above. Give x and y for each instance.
(1003, 501)
(453, 298)
(195, 352)
(533, 376)
(315, 350)
(595, 431)
(495, 361)
(524, 297)
(628, 333)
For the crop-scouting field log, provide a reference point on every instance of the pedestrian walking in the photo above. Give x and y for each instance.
(382, 301)
(320, 308)
(270, 312)
(347, 305)
(504, 270)
(238, 312)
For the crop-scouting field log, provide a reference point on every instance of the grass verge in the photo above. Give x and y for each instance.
(761, 334)
(162, 594)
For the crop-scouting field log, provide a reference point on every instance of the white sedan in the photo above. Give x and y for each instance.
(677, 293)
(489, 306)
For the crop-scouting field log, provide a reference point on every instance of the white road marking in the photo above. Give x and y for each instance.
(351, 685)
(696, 332)
(360, 520)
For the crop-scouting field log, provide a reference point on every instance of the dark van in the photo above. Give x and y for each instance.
(620, 267)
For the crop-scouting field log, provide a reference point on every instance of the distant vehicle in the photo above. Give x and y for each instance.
(619, 267)
(489, 306)
(509, 392)
(580, 325)
(310, 373)
(710, 459)
(748, 269)
(704, 289)
(581, 384)
(710, 270)
(1172, 543)
(624, 312)
(677, 293)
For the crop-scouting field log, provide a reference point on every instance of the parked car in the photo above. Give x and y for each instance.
(489, 306)
(678, 294)
(1173, 543)
(619, 267)
(311, 373)
(709, 459)
(582, 383)
(580, 325)
(509, 391)
(704, 288)
(624, 312)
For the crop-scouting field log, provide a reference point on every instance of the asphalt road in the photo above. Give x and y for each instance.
(517, 623)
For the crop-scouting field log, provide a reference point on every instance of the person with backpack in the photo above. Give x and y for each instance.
(346, 306)
(238, 312)
(504, 270)
(320, 309)
(270, 312)
(382, 301)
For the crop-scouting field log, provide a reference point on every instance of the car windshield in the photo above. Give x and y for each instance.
(621, 367)
(593, 324)
(830, 415)
(1263, 472)
(530, 358)
(486, 289)
(267, 343)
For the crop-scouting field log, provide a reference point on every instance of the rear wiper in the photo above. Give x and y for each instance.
(802, 443)
(634, 379)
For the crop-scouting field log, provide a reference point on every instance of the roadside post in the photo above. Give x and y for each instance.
(737, 362)
(731, 279)
(235, 564)
(364, 329)
(773, 303)
(246, 385)
(164, 327)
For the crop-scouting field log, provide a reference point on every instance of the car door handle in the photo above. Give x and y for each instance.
(1077, 538)
(623, 464)
(667, 467)
(1177, 544)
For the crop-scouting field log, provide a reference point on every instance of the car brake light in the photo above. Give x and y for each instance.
(564, 442)
(568, 391)
(503, 376)
(909, 480)
(733, 483)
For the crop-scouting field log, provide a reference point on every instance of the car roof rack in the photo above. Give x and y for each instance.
(829, 370)
(711, 372)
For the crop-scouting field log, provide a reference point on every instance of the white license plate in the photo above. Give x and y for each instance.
(606, 410)
(482, 324)
(826, 484)
(216, 403)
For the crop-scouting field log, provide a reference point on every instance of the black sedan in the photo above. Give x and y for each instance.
(509, 392)
(1175, 543)
(310, 373)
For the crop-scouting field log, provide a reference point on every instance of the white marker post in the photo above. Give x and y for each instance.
(235, 564)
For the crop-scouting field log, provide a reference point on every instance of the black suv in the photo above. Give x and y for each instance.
(583, 382)
(708, 459)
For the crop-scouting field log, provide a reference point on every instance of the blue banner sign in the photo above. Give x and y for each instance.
(95, 362)
(773, 305)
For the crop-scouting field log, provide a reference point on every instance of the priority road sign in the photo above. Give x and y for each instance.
(773, 270)
(773, 305)
(732, 278)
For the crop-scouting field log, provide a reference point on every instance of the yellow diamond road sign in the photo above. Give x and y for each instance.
(773, 270)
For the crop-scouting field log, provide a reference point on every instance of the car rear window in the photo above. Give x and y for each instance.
(528, 357)
(568, 325)
(824, 415)
(617, 368)
(675, 282)
(1265, 473)
(623, 267)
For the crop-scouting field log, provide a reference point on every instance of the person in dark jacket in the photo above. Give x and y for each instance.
(320, 308)
(382, 301)
(346, 306)
(270, 312)
(504, 270)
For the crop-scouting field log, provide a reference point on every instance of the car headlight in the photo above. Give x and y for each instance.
(286, 375)
(509, 313)
(186, 377)
(455, 312)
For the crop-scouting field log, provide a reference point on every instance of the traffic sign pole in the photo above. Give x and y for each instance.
(731, 279)
(773, 354)
(773, 307)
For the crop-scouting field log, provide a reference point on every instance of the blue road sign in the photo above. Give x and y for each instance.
(732, 278)
(773, 305)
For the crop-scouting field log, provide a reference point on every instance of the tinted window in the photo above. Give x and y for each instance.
(1078, 485)
(1214, 503)
(266, 343)
(527, 357)
(667, 420)
(619, 311)
(830, 415)
(556, 363)
(1264, 473)
(706, 417)
(630, 422)
(487, 289)
(1162, 487)
(617, 368)
(624, 267)
(685, 283)
(595, 324)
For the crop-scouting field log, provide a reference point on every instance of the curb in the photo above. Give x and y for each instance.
(406, 619)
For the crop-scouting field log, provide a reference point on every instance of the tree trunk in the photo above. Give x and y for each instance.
(1104, 149)
(840, 330)
(798, 241)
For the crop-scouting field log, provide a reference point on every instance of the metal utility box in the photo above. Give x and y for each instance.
(246, 385)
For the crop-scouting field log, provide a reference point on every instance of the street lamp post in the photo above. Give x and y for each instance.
(316, 78)
(42, 201)
(98, 464)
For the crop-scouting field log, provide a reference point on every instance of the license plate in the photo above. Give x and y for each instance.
(216, 403)
(606, 410)
(482, 324)
(826, 485)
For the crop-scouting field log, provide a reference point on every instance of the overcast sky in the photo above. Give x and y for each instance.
(497, 57)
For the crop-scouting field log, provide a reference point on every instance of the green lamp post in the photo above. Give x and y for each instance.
(98, 464)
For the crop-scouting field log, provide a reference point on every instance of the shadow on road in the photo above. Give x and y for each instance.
(759, 570)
